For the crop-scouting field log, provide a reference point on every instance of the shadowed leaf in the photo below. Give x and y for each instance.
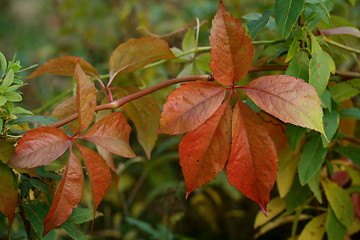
(231, 48)
(40, 146)
(204, 151)
(189, 106)
(67, 196)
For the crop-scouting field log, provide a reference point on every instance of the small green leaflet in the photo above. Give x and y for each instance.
(345, 90)
(3, 64)
(351, 113)
(312, 158)
(352, 153)
(255, 26)
(331, 124)
(294, 46)
(294, 135)
(73, 232)
(314, 185)
(286, 14)
(299, 66)
(81, 215)
(335, 230)
(8, 79)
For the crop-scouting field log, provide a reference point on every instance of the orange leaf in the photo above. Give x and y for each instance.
(204, 151)
(85, 98)
(99, 174)
(39, 146)
(64, 66)
(112, 133)
(136, 53)
(67, 196)
(252, 163)
(232, 50)
(65, 109)
(288, 98)
(189, 106)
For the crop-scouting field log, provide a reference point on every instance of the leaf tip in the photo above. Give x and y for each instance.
(263, 209)
(187, 194)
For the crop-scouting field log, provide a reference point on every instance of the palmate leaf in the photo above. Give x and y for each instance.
(288, 98)
(64, 66)
(111, 133)
(204, 151)
(99, 174)
(85, 98)
(232, 50)
(252, 164)
(39, 147)
(189, 106)
(67, 196)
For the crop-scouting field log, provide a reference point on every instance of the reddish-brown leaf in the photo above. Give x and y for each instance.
(67, 196)
(65, 109)
(144, 112)
(136, 53)
(8, 193)
(204, 151)
(64, 66)
(98, 172)
(341, 30)
(39, 146)
(252, 163)
(112, 133)
(189, 106)
(232, 50)
(288, 98)
(85, 98)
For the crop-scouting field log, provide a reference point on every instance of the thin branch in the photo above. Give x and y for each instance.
(119, 102)
(268, 68)
(350, 49)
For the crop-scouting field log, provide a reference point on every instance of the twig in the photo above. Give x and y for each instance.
(350, 49)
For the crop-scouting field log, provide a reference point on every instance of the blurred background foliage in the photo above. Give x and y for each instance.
(149, 200)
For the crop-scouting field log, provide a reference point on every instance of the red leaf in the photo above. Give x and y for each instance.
(67, 196)
(204, 151)
(189, 106)
(232, 50)
(252, 163)
(136, 53)
(112, 133)
(65, 109)
(288, 98)
(99, 174)
(64, 66)
(85, 98)
(39, 146)
(341, 30)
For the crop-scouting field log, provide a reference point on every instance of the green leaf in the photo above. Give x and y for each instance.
(141, 225)
(3, 63)
(13, 96)
(294, 135)
(286, 15)
(351, 112)
(8, 80)
(352, 153)
(299, 66)
(335, 230)
(315, 229)
(340, 202)
(20, 110)
(45, 120)
(321, 10)
(314, 185)
(326, 100)
(274, 207)
(345, 90)
(3, 100)
(188, 42)
(296, 196)
(202, 61)
(331, 124)
(255, 26)
(81, 215)
(312, 158)
(38, 184)
(73, 232)
(294, 46)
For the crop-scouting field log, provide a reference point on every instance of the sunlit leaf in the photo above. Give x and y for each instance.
(288, 98)
(111, 133)
(204, 151)
(40, 146)
(67, 196)
(286, 15)
(252, 165)
(189, 106)
(64, 66)
(315, 229)
(232, 50)
(85, 98)
(136, 53)
(299, 66)
(8, 192)
(144, 112)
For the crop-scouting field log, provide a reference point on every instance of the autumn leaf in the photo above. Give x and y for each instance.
(232, 50)
(111, 133)
(144, 112)
(136, 53)
(204, 151)
(288, 98)
(189, 106)
(39, 146)
(252, 164)
(85, 98)
(64, 66)
(67, 196)
(65, 109)
(98, 172)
